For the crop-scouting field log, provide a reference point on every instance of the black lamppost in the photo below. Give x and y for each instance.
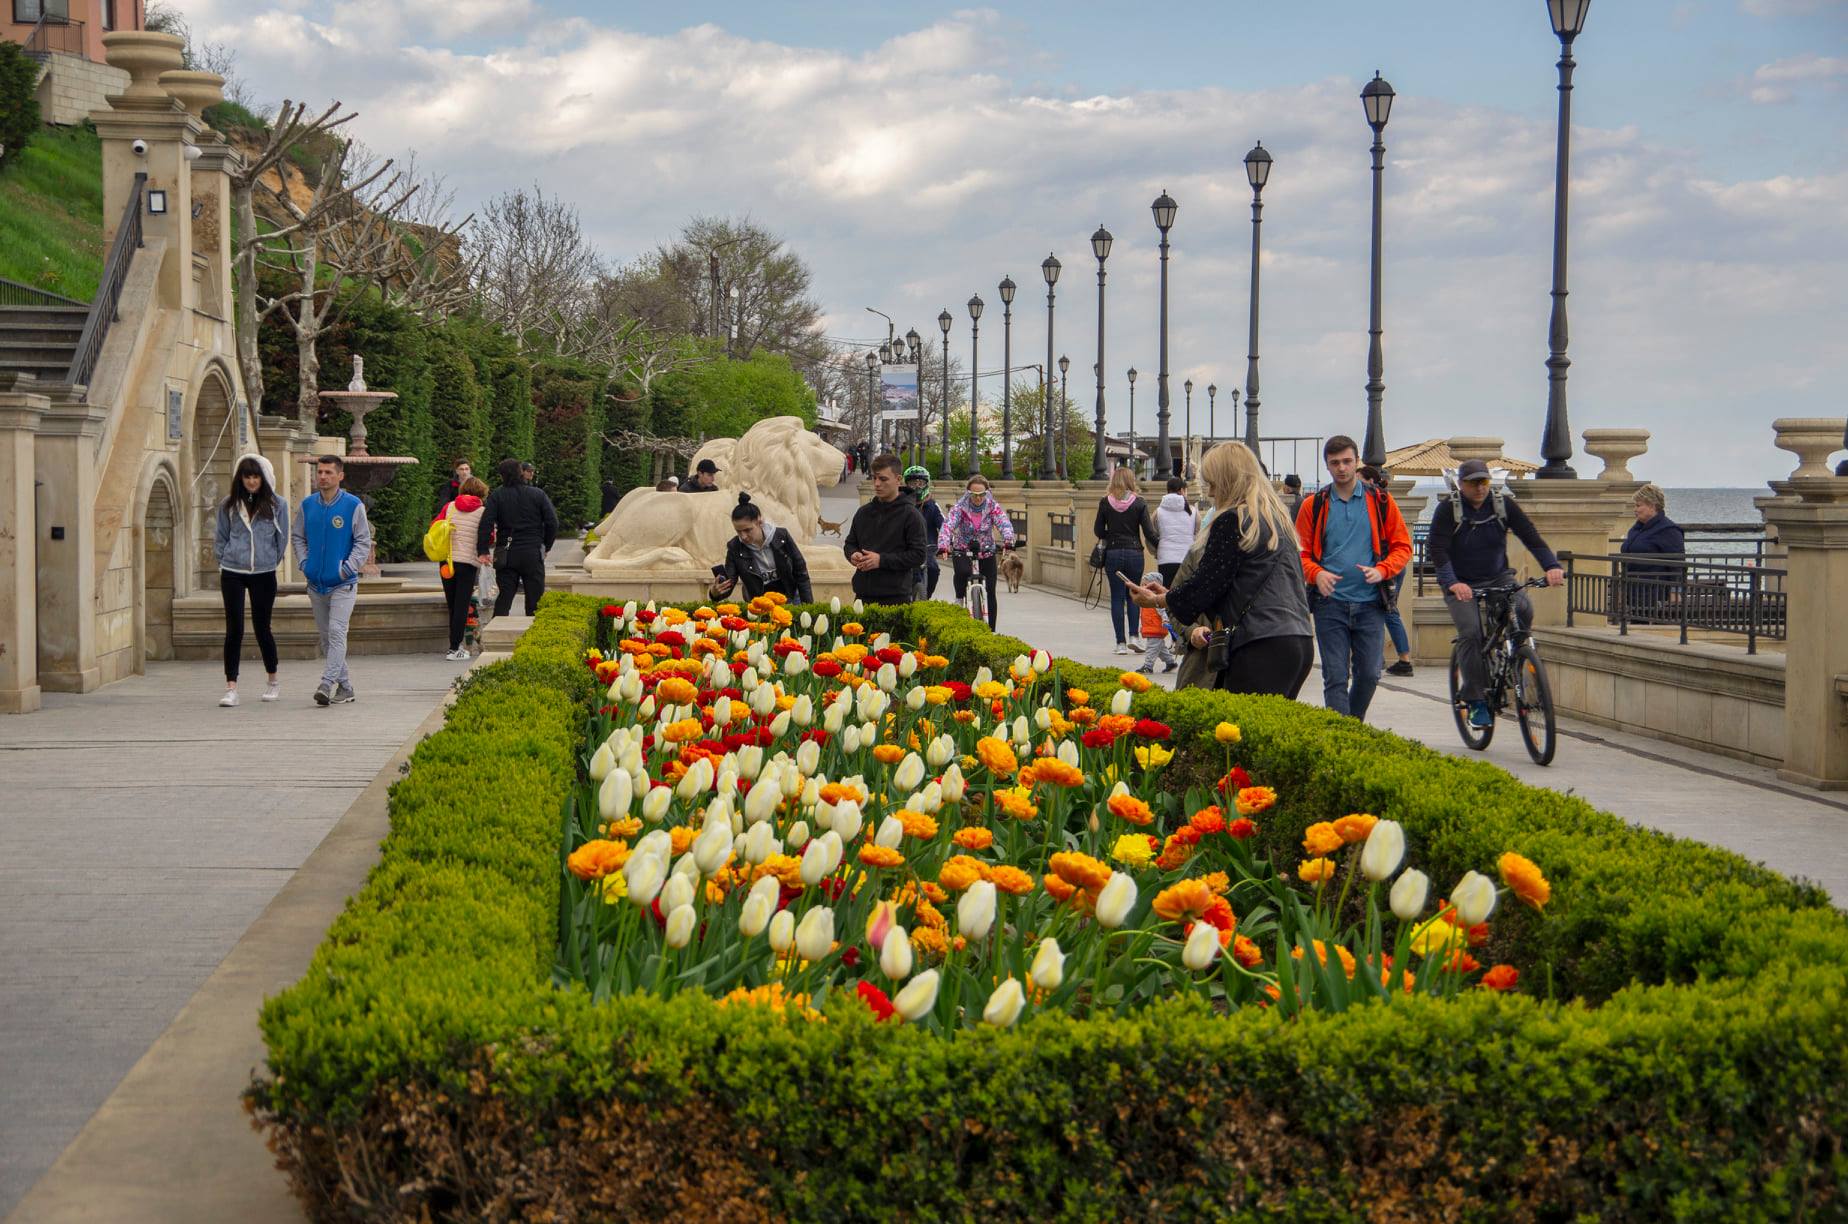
(1164, 209)
(975, 385)
(1100, 246)
(1568, 18)
(872, 403)
(1065, 441)
(1212, 415)
(1186, 428)
(1132, 419)
(1049, 458)
(1376, 98)
(1007, 377)
(1257, 170)
(915, 344)
(943, 323)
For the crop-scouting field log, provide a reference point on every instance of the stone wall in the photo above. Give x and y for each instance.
(73, 87)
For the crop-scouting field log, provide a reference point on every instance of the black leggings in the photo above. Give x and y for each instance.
(966, 565)
(1276, 665)
(524, 568)
(457, 589)
(262, 588)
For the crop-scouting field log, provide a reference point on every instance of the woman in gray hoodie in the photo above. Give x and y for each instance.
(252, 532)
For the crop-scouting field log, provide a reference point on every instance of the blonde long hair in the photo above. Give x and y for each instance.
(1235, 482)
(1123, 482)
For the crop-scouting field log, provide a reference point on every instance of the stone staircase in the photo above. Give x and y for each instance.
(40, 340)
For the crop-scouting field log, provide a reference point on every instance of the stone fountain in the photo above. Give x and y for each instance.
(366, 473)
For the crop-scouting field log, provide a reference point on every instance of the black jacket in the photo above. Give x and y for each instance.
(523, 515)
(792, 576)
(1125, 529)
(1262, 591)
(894, 530)
(1476, 550)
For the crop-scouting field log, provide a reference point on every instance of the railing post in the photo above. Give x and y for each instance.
(1571, 588)
(1687, 592)
(1752, 604)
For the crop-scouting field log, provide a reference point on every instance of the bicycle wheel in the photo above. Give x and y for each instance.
(1476, 738)
(1533, 704)
(978, 599)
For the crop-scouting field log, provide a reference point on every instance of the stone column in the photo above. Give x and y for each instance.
(146, 112)
(21, 411)
(1411, 505)
(1616, 447)
(65, 462)
(1572, 516)
(1043, 500)
(1085, 496)
(1813, 525)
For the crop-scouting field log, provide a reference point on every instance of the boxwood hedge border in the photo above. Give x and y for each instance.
(427, 1066)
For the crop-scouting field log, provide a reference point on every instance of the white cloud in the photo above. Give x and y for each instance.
(916, 173)
(1790, 8)
(1777, 81)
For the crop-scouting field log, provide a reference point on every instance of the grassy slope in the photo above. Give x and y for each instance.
(51, 213)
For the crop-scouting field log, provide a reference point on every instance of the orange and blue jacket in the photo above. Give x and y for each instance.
(1392, 539)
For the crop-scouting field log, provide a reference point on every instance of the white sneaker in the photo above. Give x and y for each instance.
(1134, 647)
(229, 699)
(458, 655)
(272, 691)
(1120, 649)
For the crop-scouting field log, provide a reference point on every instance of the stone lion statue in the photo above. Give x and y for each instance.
(778, 461)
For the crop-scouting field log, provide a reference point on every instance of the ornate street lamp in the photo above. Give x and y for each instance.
(1049, 268)
(1212, 394)
(1065, 443)
(1376, 98)
(1164, 209)
(943, 322)
(1100, 246)
(1186, 428)
(872, 401)
(915, 344)
(1007, 377)
(1132, 419)
(1257, 170)
(1568, 17)
(975, 385)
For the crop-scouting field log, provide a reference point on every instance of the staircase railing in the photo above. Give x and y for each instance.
(103, 310)
(12, 293)
(53, 32)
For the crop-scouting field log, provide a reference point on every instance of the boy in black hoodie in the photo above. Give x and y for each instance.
(885, 542)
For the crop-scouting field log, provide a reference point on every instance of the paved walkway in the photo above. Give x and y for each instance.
(143, 830)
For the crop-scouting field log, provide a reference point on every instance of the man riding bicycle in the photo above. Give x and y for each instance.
(971, 530)
(1469, 548)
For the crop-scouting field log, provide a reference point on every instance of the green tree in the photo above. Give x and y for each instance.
(458, 410)
(19, 109)
(567, 448)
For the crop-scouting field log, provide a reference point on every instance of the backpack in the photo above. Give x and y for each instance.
(1499, 497)
(436, 540)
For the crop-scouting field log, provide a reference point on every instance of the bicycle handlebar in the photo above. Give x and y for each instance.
(1507, 589)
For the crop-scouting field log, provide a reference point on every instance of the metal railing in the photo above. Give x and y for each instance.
(54, 33)
(1063, 532)
(1019, 521)
(1705, 594)
(1729, 540)
(109, 293)
(12, 293)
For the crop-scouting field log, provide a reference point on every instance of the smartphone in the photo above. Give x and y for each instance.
(718, 573)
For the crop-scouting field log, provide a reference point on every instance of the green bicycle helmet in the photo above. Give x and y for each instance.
(915, 472)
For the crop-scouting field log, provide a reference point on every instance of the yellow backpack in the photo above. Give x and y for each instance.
(436, 540)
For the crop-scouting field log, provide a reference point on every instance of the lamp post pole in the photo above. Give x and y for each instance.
(1164, 209)
(975, 385)
(1257, 171)
(1377, 99)
(1100, 246)
(1186, 428)
(1049, 458)
(873, 441)
(1007, 377)
(1568, 18)
(943, 323)
(1212, 414)
(1132, 419)
(1065, 441)
(914, 343)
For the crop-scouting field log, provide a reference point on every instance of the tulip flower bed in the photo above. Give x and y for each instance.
(486, 1033)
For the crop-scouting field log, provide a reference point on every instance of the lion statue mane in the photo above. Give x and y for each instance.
(778, 461)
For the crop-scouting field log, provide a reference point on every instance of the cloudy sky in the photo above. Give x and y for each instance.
(915, 160)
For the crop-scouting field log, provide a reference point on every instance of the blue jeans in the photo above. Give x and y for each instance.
(1350, 638)
(1395, 624)
(1125, 617)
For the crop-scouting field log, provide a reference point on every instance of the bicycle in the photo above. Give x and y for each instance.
(1514, 670)
(975, 593)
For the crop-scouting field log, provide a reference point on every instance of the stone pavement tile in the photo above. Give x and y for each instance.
(142, 830)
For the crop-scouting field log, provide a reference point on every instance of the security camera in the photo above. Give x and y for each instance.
(140, 148)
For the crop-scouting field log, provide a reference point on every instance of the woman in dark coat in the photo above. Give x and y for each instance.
(1647, 587)
(763, 557)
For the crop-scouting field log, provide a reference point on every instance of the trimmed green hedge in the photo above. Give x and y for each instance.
(426, 1064)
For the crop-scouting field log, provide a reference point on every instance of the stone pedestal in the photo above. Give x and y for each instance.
(1814, 528)
(1474, 447)
(1812, 440)
(20, 413)
(1615, 448)
(1572, 516)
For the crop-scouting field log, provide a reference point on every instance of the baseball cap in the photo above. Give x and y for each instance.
(707, 465)
(1473, 469)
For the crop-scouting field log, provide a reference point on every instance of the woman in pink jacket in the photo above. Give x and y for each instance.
(971, 530)
(464, 515)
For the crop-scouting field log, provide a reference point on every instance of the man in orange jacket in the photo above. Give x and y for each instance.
(1354, 541)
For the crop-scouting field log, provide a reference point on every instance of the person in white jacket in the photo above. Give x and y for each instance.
(1177, 523)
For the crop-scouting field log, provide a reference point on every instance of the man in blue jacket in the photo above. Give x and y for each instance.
(332, 541)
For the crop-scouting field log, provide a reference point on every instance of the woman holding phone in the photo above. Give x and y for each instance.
(762, 556)
(1245, 603)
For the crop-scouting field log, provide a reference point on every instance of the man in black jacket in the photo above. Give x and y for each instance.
(528, 525)
(885, 542)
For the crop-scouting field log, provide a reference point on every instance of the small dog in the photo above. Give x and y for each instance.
(1013, 569)
(824, 527)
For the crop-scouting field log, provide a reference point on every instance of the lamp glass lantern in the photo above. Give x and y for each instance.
(872, 362)
(1049, 268)
(915, 343)
(1568, 16)
(1100, 244)
(1377, 99)
(943, 322)
(1164, 209)
(1007, 288)
(1065, 365)
(1258, 166)
(1132, 376)
(975, 307)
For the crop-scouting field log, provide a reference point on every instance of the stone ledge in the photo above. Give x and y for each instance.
(1698, 665)
(385, 623)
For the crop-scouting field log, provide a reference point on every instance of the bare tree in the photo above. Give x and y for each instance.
(734, 283)
(535, 272)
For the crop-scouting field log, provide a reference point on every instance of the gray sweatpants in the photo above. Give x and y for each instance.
(332, 611)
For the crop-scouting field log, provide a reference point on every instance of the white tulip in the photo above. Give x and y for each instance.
(908, 666)
(918, 997)
(1042, 662)
(1021, 736)
(803, 712)
(859, 606)
(877, 703)
(713, 845)
(1048, 965)
(750, 679)
(685, 867)
(1119, 701)
(1408, 895)
(1068, 752)
(697, 780)
(755, 916)
(631, 686)
(815, 934)
(1383, 851)
(982, 676)
(814, 862)
(721, 712)
(915, 698)
(601, 762)
(628, 611)
(750, 761)
(644, 874)
(779, 726)
(910, 772)
(759, 843)
(768, 887)
(680, 922)
(940, 751)
(782, 931)
(832, 840)
(891, 832)
(1474, 896)
(1042, 718)
(811, 788)
(931, 797)
(654, 803)
(646, 710)
(1005, 1004)
(834, 605)
(833, 718)
(808, 618)
(1202, 947)
(676, 892)
(895, 954)
(761, 803)
(798, 835)
(975, 911)
(795, 663)
(615, 795)
(1115, 900)
(656, 842)
(808, 757)
(953, 784)
(850, 740)
(886, 677)
(763, 700)
(847, 820)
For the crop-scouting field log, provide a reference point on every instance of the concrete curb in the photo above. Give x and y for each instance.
(172, 1142)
